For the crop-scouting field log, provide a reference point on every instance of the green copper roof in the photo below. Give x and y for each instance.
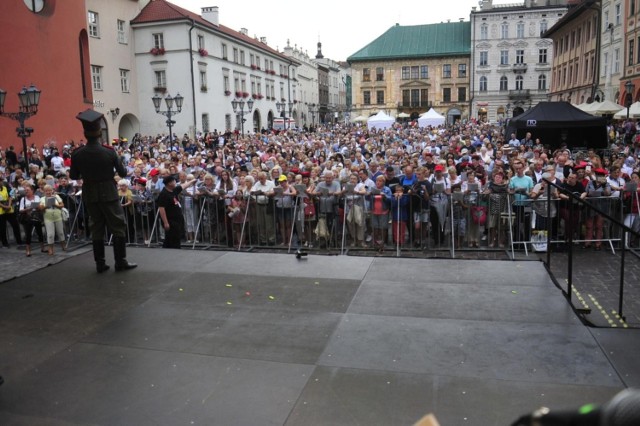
(418, 41)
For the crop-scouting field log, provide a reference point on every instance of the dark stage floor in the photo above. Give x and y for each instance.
(215, 338)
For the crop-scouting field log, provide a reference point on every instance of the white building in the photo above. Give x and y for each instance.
(334, 107)
(611, 50)
(511, 64)
(210, 65)
(307, 83)
(114, 78)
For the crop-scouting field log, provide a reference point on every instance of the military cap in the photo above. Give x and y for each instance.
(90, 120)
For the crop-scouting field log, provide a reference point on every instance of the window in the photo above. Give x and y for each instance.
(366, 97)
(542, 56)
(205, 123)
(504, 83)
(578, 36)
(366, 74)
(543, 27)
(519, 82)
(405, 73)
(618, 9)
(200, 42)
(161, 79)
(415, 70)
(586, 68)
(542, 82)
(483, 84)
(484, 58)
(235, 55)
(505, 30)
(203, 81)
(573, 40)
(225, 83)
(379, 74)
(462, 94)
(446, 71)
(242, 62)
(446, 94)
(158, 40)
(124, 81)
(484, 32)
(252, 59)
(380, 97)
(519, 56)
(504, 57)
(406, 97)
(122, 35)
(424, 71)
(632, 7)
(227, 121)
(462, 70)
(606, 64)
(94, 24)
(631, 52)
(415, 97)
(96, 77)
(638, 47)
(606, 19)
(616, 61)
(225, 55)
(424, 97)
(520, 30)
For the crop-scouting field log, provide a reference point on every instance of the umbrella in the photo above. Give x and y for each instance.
(403, 115)
(360, 118)
(591, 107)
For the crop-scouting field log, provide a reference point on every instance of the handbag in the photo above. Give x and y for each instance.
(65, 214)
(479, 215)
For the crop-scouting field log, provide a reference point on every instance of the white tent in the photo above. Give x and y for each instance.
(380, 121)
(605, 108)
(431, 118)
(634, 111)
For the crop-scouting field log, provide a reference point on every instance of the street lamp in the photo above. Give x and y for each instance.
(29, 100)
(629, 87)
(282, 109)
(169, 112)
(238, 109)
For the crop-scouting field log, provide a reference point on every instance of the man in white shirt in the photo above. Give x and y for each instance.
(263, 191)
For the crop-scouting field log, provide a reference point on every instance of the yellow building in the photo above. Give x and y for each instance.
(410, 69)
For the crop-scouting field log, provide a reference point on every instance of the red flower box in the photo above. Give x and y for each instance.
(202, 52)
(157, 51)
(227, 92)
(254, 67)
(238, 94)
(245, 94)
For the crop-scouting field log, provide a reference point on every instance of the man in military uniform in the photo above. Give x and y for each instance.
(95, 165)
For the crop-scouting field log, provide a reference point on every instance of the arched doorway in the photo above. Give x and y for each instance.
(256, 121)
(517, 111)
(270, 120)
(294, 116)
(452, 115)
(482, 114)
(128, 127)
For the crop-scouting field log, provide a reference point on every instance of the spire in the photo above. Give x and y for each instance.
(319, 54)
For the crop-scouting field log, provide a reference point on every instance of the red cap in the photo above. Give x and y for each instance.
(141, 181)
(154, 172)
(439, 168)
(600, 171)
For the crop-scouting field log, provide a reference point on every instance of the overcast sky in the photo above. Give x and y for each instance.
(343, 26)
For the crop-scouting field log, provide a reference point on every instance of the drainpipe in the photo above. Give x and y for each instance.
(193, 83)
(596, 77)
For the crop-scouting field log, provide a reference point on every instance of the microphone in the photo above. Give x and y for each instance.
(622, 410)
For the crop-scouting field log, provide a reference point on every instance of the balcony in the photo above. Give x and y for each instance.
(519, 94)
(519, 68)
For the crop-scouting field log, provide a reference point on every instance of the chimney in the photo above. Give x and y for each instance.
(211, 14)
(263, 40)
(527, 4)
(461, 19)
(244, 31)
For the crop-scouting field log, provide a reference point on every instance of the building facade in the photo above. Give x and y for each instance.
(410, 69)
(511, 61)
(631, 56)
(307, 82)
(611, 49)
(576, 62)
(210, 65)
(45, 44)
(114, 79)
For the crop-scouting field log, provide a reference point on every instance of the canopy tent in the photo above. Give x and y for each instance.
(380, 121)
(634, 112)
(590, 107)
(582, 106)
(431, 118)
(359, 119)
(560, 122)
(604, 108)
(403, 115)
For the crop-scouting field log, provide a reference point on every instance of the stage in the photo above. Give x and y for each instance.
(226, 338)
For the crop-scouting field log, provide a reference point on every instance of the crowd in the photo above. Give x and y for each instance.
(465, 186)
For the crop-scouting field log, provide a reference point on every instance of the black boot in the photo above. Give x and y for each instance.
(120, 254)
(98, 256)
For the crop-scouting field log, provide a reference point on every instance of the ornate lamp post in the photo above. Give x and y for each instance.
(282, 109)
(629, 87)
(29, 100)
(238, 109)
(169, 113)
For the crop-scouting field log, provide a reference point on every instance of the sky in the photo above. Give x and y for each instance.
(343, 26)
